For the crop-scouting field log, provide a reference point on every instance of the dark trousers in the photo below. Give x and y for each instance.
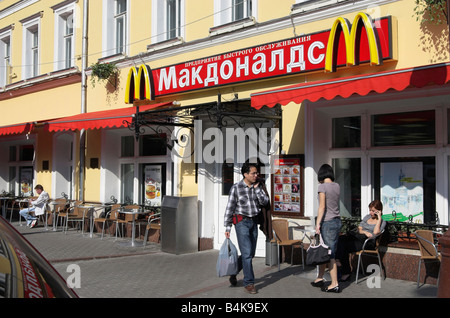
(349, 244)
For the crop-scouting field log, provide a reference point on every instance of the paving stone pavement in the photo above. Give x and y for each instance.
(110, 270)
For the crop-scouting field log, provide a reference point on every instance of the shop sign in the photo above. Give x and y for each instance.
(364, 41)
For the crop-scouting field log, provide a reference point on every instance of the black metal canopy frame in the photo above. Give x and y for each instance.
(163, 121)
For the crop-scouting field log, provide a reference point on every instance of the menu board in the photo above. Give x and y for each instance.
(287, 185)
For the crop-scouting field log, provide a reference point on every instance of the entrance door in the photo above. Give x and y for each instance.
(62, 178)
(218, 180)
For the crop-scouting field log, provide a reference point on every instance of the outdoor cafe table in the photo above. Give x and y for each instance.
(21, 200)
(89, 209)
(133, 212)
(4, 200)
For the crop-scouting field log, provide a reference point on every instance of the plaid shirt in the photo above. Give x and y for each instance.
(244, 200)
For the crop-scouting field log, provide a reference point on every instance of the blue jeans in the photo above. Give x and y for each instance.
(247, 235)
(25, 214)
(330, 234)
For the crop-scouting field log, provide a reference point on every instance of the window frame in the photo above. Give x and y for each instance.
(160, 27)
(109, 39)
(5, 57)
(31, 49)
(63, 17)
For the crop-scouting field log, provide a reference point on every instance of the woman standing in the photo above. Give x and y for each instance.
(328, 224)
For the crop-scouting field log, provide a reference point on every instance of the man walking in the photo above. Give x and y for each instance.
(244, 204)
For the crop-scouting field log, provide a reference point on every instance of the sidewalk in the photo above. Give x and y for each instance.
(109, 270)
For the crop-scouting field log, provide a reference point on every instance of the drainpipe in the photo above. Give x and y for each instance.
(84, 58)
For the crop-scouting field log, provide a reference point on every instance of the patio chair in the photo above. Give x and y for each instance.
(59, 209)
(154, 223)
(74, 214)
(428, 249)
(369, 252)
(280, 228)
(111, 216)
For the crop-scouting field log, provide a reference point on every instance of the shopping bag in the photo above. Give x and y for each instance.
(318, 254)
(227, 263)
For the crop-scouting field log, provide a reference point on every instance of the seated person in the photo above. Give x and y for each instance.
(372, 224)
(37, 206)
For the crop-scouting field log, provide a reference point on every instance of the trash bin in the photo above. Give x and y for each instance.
(271, 253)
(179, 225)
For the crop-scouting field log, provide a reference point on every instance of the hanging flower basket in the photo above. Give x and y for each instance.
(431, 11)
(103, 72)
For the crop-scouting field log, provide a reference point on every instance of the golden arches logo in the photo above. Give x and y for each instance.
(350, 31)
(139, 84)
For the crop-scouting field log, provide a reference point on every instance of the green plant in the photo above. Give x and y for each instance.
(102, 72)
(431, 11)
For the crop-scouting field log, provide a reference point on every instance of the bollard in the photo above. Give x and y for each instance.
(444, 271)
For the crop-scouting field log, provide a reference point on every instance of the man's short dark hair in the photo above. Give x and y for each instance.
(325, 171)
(246, 167)
(38, 186)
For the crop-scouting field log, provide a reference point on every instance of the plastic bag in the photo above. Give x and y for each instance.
(227, 263)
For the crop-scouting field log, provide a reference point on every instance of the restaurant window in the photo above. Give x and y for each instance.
(152, 145)
(127, 182)
(348, 176)
(406, 187)
(346, 132)
(12, 153)
(404, 129)
(127, 146)
(26, 153)
(12, 179)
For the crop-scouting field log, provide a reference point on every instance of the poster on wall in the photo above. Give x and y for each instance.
(402, 191)
(287, 185)
(26, 181)
(152, 185)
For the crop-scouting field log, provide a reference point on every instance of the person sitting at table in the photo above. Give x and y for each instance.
(372, 224)
(37, 206)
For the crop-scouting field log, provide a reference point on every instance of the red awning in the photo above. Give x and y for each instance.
(360, 84)
(100, 119)
(16, 129)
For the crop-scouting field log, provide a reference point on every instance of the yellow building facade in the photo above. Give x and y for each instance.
(208, 63)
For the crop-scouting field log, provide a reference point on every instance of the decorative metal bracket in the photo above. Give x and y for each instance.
(231, 113)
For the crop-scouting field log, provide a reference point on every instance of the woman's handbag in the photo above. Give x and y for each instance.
(227, 263)
(318, 254)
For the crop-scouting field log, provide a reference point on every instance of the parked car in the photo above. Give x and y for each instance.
(24, 272)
